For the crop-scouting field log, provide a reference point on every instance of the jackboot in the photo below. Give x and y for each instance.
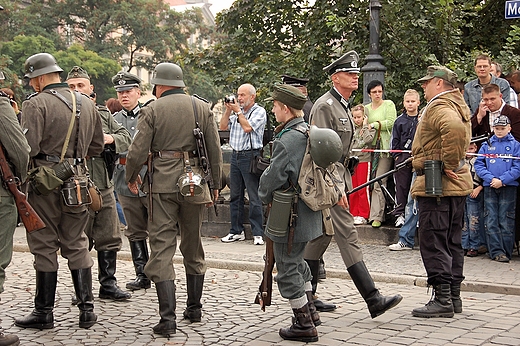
(320, 305)
(82, 279)
(302, 328)
(195, 284)
(455, 298)
(108, 288)
(42, 316)
(167, 305)
(312, 309)
(9, 339)
(376, 302)
(140, 256)
(439, 305)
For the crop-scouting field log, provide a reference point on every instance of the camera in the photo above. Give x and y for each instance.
(229, 99)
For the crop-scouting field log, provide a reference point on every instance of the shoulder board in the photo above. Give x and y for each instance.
(147, 102)
(200, 98)
(2, 94)
(31, 95)
(102, 108)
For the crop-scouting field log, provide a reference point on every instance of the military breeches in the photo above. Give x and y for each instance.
(136, 215)
(171, 216)
(103, 227)
(64, 231)
(346, 237)
(293, 271)
(8, 215)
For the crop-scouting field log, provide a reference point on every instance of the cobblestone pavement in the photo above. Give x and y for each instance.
(490, 317)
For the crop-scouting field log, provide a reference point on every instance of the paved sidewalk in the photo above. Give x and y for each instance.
(230, 318)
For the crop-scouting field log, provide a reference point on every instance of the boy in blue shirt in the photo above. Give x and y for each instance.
(499, 175)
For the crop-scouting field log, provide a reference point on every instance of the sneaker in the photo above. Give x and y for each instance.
(376, 223)
(233, 237)
(258, 240)
(400, 221)
(399, 246)
(482, 249)
(502, 258)
(359, 220)
(472, 253)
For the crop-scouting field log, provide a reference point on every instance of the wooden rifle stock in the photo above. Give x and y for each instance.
(265, 291)
(30, 218)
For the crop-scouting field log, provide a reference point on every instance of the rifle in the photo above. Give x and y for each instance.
(202, 153)
(149, 164)
(265, 291)
(30, 218)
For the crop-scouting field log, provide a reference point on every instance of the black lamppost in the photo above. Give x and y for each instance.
(374, 68)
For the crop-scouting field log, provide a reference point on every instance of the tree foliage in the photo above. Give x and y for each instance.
(263, 39)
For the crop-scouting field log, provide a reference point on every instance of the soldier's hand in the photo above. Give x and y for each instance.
(215, 197)
(133, 187)
(343, 202)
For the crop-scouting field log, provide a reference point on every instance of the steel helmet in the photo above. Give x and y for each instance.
(40, 64)
(326, 146)
(169, 74)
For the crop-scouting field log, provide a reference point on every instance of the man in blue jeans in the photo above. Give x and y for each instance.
(245, 121)
(407, 231)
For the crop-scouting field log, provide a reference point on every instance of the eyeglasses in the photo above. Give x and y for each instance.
(376, 92)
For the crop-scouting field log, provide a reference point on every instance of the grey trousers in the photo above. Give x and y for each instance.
(293, 271)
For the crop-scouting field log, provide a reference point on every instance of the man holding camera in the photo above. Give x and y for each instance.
(102, 228)
(245, 121)
(46, 120)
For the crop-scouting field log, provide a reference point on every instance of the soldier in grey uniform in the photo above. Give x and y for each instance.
(166, 131)
(102, 228)
(17, 150)
(332, 110)
(135, 206)
(46, 118)
(301, 84)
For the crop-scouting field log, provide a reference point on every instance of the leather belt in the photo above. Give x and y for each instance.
(56, 159)
(122, 160)
(419, 171)
(171, 154)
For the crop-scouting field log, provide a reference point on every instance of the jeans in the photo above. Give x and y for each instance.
(411, 216)
(120, 213)
(239, 180)
(473, 222)
(499, 213)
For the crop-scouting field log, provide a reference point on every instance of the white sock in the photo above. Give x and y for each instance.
(307, 286)
(298, 302)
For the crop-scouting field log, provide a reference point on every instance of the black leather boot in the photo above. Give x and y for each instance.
(302, 328)
(167, 305)
(312, 309)
(140, 256)
(9, 339)
(108, 288)
(377, 303)
(195, 284)
(42, 316)
(320, 305)
(455, 299)
(82, 279)
(439, 305)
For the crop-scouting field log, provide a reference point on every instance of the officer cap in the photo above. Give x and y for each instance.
(125, 81)
(78, 72)
(440, 72)
(40, 64)
(294, 81)
(347, 63)
(501, 120)
(288, 95)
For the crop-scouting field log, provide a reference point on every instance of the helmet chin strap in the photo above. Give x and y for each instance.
(154, 91)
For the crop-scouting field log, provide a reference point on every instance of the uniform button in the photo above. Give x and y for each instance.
(132, 128)
(132, 118)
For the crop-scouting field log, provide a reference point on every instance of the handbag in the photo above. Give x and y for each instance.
(258, 163)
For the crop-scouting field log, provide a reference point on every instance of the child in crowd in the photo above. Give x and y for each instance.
(499, 175)
(403, 132)
(474, 209)
(363, 136)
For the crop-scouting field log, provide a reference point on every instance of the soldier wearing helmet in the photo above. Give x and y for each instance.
(167, 133)
(135, 205)
(46, 120)
(332, 110)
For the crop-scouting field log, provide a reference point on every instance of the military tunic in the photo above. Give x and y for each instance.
(163, 127)
(329, 112)
(103, 227)
(135, 207)
(46, 119)
(17, 150)
(288, 151)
